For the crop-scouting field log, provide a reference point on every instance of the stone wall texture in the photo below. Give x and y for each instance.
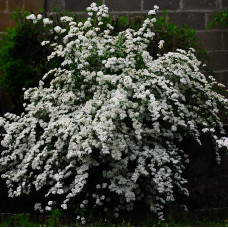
(195, 13)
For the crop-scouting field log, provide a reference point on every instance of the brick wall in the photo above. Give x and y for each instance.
(195, 13)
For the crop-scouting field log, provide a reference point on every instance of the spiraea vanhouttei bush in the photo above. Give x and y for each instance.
(103, 129)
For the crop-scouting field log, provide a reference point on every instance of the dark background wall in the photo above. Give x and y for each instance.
(195, 13)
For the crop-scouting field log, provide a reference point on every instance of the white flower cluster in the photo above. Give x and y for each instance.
(80, 219)
(106, 130)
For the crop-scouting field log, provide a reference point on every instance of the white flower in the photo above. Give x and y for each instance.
(116, 215)
(152, 12)
(156, 7)
(31, 17)
(64, 206)
(45, 42)
(83, 221)
(58, 29)
(87, 24)
(38, 207)
(160, 44)
(39, 16)
(50, 203)
(47, 208)
(46, 21)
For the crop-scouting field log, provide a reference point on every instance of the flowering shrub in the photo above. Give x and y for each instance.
(104, 128)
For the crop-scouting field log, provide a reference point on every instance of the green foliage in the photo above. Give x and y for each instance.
(53, 218)
(220, 18)
(22, 60)
(21, 220)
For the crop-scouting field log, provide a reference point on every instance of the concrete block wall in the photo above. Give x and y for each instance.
(195, 13)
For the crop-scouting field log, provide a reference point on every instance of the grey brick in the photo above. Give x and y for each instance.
(224, 3)
(225, 40)
(6, 21)
(13, 5)
(164, 4)
(218, 60)
(79, 16)
(200, 4)
(78, 5)
(34, 6)
(194, 20)
(131, 15)
(123, 5)
(211, 40)
(3, 5)
(53, 5)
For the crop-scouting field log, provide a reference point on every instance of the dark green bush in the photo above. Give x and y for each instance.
(220, 18)
(23, 60)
